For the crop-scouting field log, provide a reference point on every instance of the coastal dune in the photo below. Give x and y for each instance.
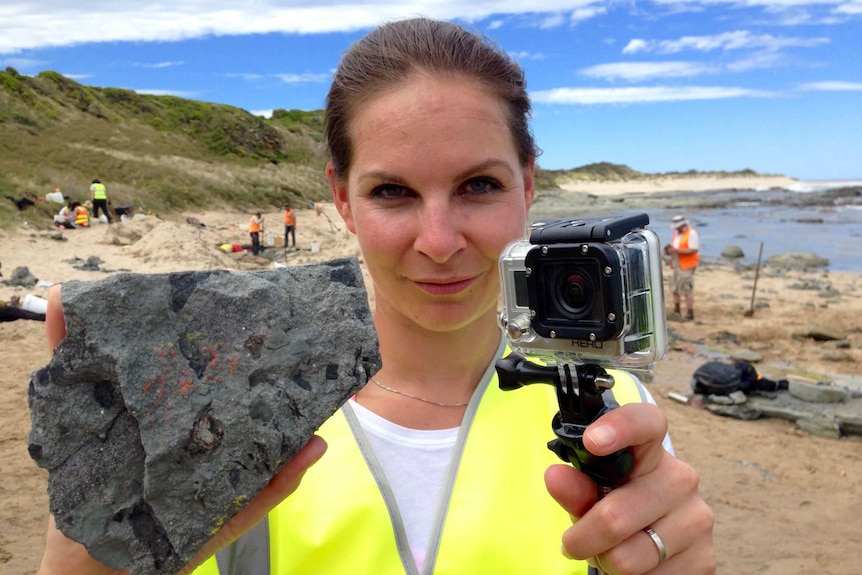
(700, 183)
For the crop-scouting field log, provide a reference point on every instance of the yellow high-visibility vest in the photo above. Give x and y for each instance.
(499, 520)
(99, 192)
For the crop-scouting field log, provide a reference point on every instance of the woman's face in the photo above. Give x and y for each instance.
(434, 192)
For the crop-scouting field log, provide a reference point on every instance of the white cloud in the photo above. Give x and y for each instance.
(834, 86)
(303, 78)
(27, 24)
(307, 78)
(590, 96)
(736, 40)
(587, 13)
(159, 65)
(641, 71)
(262, 113)
(249, 77)
(77, 77)
(177, 93)
(22, 63)
(635, 46)
(849, 8)
(756, 61)
(521, 56)
(552, 21)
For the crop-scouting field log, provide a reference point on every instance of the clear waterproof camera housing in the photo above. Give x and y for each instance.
(586, 290)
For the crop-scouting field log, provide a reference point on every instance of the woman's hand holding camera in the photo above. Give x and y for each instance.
(656, 522)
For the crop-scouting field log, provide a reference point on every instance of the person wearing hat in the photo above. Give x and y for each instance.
(683, 251)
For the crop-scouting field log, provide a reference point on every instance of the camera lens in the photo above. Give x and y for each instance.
(574, 293)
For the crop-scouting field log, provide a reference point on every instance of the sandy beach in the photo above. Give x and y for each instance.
(786, 502)
(699, 183)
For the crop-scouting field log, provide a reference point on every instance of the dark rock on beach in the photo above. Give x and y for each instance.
(732, 252)
(22, 277)
(798, 261)
(176, 397)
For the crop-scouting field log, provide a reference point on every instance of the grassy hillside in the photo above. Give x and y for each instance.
(167, 154)
(159, 153)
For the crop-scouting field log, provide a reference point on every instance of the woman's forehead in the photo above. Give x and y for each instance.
(431, 112)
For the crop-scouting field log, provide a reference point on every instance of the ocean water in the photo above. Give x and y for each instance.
(781, 229)
(832, 232)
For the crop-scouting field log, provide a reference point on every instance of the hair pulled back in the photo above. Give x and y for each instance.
(398, 51)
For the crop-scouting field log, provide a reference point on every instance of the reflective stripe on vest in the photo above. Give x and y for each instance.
(500, 518)
(99, 192)
(686, 261)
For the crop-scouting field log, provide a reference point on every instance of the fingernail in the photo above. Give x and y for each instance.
(602, 435)
(565, 552)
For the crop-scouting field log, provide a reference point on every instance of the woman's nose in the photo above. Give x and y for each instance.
(439, 235)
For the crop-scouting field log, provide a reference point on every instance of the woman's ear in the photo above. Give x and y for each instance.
(340, 197)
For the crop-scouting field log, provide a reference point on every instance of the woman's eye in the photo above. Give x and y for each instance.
(482, 186)
(389, 192)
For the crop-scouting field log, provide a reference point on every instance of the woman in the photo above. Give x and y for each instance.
(431, 468)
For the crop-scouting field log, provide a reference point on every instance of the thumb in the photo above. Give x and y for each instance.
(55, 323)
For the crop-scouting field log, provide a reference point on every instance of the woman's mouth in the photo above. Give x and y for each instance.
(445, 286)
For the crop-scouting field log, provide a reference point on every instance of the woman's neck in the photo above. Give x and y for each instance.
(440, 367)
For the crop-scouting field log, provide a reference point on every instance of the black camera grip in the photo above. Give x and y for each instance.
(607, 471)
(579, 407)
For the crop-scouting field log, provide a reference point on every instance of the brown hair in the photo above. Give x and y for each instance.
(397, 51)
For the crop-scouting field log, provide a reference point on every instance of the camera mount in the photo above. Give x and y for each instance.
(578, 409)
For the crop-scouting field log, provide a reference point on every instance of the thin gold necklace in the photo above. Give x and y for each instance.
(405, 394)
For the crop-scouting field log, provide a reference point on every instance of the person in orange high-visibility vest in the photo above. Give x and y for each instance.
(289, 225)
(683, 250)
(82, 216)
(255, 226)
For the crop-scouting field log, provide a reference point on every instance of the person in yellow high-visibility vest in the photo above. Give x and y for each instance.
(99, 197)
(431, 468)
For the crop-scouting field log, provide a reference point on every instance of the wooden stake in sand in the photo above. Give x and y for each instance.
(750, 311)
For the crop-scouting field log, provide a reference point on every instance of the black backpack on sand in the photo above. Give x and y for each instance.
(719, 378)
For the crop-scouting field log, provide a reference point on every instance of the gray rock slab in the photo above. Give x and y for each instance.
(818, 418)
(816, 393)
(174, 398)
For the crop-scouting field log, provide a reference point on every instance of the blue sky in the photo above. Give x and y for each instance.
(663, 85)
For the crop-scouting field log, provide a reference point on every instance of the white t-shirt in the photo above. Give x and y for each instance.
(415, 462)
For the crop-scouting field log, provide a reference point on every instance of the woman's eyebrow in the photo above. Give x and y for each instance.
(383, 176)
(392, 178)
(483, 166)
